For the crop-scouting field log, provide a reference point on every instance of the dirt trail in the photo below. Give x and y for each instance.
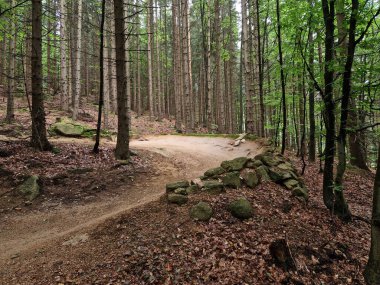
(189, 156)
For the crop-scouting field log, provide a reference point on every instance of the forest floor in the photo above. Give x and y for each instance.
(100, 221)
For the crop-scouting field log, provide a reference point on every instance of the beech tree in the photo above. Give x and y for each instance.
(372, 271)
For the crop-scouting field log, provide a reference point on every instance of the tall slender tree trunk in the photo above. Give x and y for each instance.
(220, 95)
(122, 145)
(39, 138)
(312, 142)
(247, 70)
(150, 58)
(12, 70)
(328, 8)
(284, 116)
(372, 270)
(176, 64)
(78, 52)
(63, 47)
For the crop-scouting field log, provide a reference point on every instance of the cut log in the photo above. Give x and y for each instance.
(242, 136)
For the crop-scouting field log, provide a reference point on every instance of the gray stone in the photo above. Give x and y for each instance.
(181, 191)
(241, 209)
(201, 212)
(170, 187)
(250, 178)
(236, 164)
(214, 171)
(30, 188)
(232, 179)
(68, 129)
(177, 199)
(290, 184)
(262, 172)
(213, 187)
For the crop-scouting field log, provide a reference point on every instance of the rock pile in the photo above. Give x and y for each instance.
(268, 166)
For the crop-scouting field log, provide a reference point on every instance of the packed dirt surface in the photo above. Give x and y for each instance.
(175, 157)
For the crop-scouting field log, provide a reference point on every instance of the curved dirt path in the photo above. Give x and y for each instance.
(189, 157)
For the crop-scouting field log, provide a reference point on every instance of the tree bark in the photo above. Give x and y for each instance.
(329, 111)
(12, 66)
(78, 51)
(372, 270)
(284, 116)
(122, 145)
(63, 47)
(39, 138)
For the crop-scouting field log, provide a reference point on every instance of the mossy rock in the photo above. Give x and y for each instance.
(241, 209)
(170, 187)
(286, 166)
(268, 159)
(192, 189)
(262, 172)
(30, 188)
(250, 178)
(253, 163)
(177, 199)
(300, 192)
(278, 174)
(214, 172)
(213, 187)
(232, 179)
(290, 184)
(236, 164)
(68, 129)
(181, 191)
(201, 212)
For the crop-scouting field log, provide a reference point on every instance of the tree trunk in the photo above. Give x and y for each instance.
(63, 47)
(150, 58)
(122, 145)
(372, 270)
(329, 111)
(39, 139)
(78, 50)
(176, 64)
(284, 117)
(312, 143)
(12, 66)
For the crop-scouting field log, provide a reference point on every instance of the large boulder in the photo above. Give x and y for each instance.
(201, 212)
(241, 209)
(232, 179)
(250, 178)
(214, 172)
(30, 188)
(68, 129)
(170, 187)
(213, 187)
(177, 199)
(236, 164)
